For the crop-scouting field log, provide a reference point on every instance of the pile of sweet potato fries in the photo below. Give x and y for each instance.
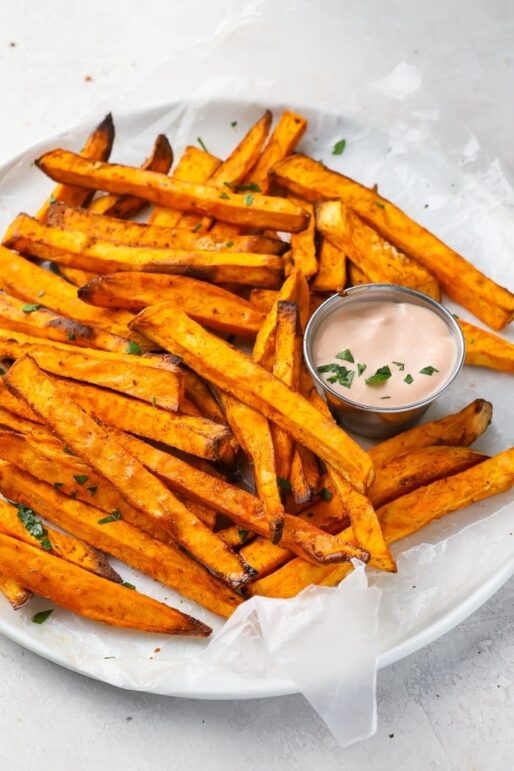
(126, 411)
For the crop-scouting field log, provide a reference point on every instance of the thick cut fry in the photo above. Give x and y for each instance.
(154, 380)
(283, 140)
(286, 367)
(79, 250)
(244, 509)
(399, 519)
(331, 275)
(460, 280)
(126, 206)
(195, 166)
(14, 593)
(232, 371)
(140, 234)
(252, 431)
(140, 488)
(67, 547)
(459, 429)
(195, 435)
(201, 396)
(294, 289)
(377, 258)
(483, 349)
(33, 284)
(98, 147)
(254, 210)
(30, 319)
(89, 595)
(164, 562)
(210, 305)
(305, 475)
(76, 276)
(303, 245)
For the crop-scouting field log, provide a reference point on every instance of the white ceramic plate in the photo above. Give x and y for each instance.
(114, 656)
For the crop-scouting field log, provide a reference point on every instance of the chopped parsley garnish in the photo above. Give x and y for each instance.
(385, 397)
(58, 485)
(40, 618)
(284, 484)
(197, 227)
(133, 348)
(33, 525)
(233, 123)
(127, 585)
(202, 144)
(68, 450)
(428, 370)
(327, 368)
(361, 368)
(400, 365)
(225, 196)
(113, 517)
(379, 204)
(253, 187)
(248, 199)
(346, 355)
(339, 147)
(70, 336)
(242, 533)
(53, 199)
(381, 375)
(343, 377)
(408, 379)
(229, 244)
(31, 307)
(81, 478)
(326, 494)
(92, 489)
(154, 401)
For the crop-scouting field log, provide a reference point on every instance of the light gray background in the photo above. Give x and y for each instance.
(449, 706)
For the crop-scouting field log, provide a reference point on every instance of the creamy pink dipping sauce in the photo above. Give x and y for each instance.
(407, 350)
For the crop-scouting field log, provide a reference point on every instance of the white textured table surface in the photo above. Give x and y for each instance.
(450, 706)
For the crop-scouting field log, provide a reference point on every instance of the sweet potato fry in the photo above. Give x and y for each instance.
(67, 547)
(77, 249)
(264, 299)
(200, 394)
(140, 488)
(483, 349)
(305, 475)
(90, 595)
(254, 210)
(303, 246)
(331, 275)
(459, 429)
(243, 158)
(15, 594)
(154, 380)
(126, 206)
(195, 166)
(140, 234)
(210, 305)
(378, 259)
(252, 431)
(76, 276)
(164, 562)
(232, 371)
(244, 509)
(400, 518)
(283, 140)
(21, 278)
(286, 367)
(198, 436)
(463, 282)
(98, 147)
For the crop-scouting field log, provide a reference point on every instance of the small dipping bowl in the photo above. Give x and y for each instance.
(368, 420)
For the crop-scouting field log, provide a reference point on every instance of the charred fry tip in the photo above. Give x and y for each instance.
(198, 628)
(276, 529)
(107, 125)
(341, 556)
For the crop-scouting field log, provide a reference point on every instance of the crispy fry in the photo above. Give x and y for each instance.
(331, 275)
(305, 475)
(15, 594)
(98, 146)
(210, 305)
(263, 299)
(140, 234)
(243, 158)
(253, 210)
(232, 371)
(76, 276)
(79, 250)
(459, 429)
(303, 246)
(67, 547)
(483, 349)
(90, 595)
(286, 367)
(377, 258)
(460, 280)
(33, 284)
(195, 166)
(141, 489)
(126, 206)
(400, 518)
(201, 395)
(164, 562)
(253, 433)
(283, 140)
(154, 380)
